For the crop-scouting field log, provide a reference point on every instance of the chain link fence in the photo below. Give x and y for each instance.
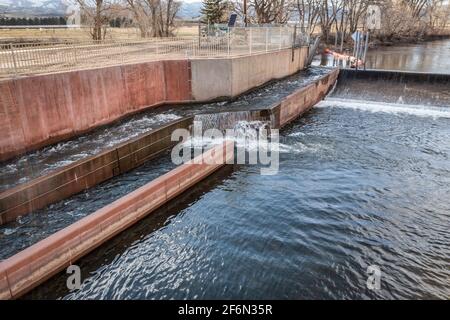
(47, 57)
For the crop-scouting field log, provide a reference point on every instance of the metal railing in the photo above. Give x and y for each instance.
(47, 57)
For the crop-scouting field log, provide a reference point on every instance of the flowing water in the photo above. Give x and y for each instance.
(358, 186)
(40, 162)
(33, 227)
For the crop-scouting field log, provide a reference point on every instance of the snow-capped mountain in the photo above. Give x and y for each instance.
(189, 9)
(32, 7)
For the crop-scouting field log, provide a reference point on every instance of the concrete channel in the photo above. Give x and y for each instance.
(86, 173)
(37, 263)
(32, 266)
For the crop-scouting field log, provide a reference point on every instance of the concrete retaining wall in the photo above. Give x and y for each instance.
(213, 78)
(302, 100)
(394, 87)
(86, 173)
(40, 110)
(34, 265)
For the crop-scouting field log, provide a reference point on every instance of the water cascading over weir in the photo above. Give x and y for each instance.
(420, 94)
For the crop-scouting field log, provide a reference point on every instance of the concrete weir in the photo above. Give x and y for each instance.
(402, 87)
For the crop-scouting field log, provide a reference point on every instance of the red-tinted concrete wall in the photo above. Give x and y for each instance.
(86, 173)
(302, 100)
(39, 110)
(32, 266)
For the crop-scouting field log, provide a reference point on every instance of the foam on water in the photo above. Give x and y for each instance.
(392, 108)
(246, 136)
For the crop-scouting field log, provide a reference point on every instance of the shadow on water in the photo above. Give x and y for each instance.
(56, 287)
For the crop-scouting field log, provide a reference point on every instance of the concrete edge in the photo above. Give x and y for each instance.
(87, 172)
(32, 266)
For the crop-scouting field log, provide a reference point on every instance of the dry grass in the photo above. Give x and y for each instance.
(31, 35)
(186, 31)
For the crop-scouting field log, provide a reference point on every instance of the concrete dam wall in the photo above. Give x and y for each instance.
(41, 110)
(413, 88)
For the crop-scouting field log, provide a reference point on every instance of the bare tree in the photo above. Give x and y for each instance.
(167, 13)
(308, 13)
(438, 14)
(271, 11)
(328, 12)
(154, 18)
(140, 16)
(265, 11)
(417, 7)
(98, 14)
(400, 18)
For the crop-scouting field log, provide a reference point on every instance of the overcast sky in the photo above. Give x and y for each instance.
(37, 2)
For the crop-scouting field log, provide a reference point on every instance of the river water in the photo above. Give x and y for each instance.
(432, 57)
(356, 188)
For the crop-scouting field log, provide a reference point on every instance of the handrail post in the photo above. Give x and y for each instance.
(75, 53)
(228, 40)
(267, 39)
(13, 52)
(250, 41)
(279, 39)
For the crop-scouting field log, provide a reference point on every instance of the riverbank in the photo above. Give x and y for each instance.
(407, 40)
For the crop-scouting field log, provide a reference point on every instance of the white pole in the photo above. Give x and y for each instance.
(365, 49)
(267, 39)
(250, 40)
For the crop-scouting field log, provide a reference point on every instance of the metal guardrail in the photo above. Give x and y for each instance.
(47, 57)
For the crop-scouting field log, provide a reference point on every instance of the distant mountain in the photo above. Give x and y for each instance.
(27, 8)
(32, 8)
(190, 10)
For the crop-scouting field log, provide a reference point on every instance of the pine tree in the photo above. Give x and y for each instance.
(213, 11)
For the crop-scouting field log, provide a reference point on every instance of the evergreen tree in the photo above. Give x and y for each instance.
(213, 11)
